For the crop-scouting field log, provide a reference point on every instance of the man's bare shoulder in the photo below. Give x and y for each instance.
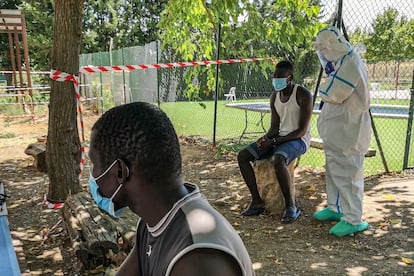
(303, 90)
(304, 97)
(206, 261)
(273, 96)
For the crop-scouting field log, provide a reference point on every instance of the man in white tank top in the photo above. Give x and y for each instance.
(287, 139)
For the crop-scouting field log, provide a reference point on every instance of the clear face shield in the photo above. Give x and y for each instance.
(330, 47)
(327, 65)
(339, 62)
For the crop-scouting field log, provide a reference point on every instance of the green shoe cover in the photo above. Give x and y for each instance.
(343, 228)
(327, 214)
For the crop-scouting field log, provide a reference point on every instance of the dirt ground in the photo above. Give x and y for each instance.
(301, 248)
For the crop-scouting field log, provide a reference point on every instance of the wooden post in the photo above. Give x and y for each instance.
(12, 61)
(27, 64)
(18, 58)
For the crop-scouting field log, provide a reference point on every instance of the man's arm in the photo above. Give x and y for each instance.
(304, 100)
(265, 142)
(206, 262)
(130, 266)
(274, 120)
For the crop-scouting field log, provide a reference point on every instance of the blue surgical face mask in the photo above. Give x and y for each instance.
(279, 83)
(104, 203)
(327, 65)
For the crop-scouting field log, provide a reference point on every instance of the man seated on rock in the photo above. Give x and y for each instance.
(136, 161)
(287, 139)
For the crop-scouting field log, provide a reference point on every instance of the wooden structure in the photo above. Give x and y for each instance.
(12, 22)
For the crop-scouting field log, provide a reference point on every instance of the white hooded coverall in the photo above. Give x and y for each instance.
(344, 123)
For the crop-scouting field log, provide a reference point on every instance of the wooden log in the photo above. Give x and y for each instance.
(268, 185)
(97, 228)
(126, 229)
(74, 230)
(97, 238)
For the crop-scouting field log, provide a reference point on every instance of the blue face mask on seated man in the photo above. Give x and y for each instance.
(104, 203)
(279, 83)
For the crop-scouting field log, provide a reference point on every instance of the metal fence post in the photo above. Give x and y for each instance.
(409, 127)
(217, 85)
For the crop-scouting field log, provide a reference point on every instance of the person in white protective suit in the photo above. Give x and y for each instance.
(345, 127)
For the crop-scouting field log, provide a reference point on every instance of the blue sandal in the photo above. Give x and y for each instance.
(290, 214)
(252, 211)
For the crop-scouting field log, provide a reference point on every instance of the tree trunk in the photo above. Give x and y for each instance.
(63, 145)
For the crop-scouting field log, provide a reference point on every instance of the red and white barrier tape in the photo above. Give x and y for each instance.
(47, 231)
(95, 69)
(65, 77)
(51, 205)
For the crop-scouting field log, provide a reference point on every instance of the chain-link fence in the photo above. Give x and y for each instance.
(382, 31)
(196, 113)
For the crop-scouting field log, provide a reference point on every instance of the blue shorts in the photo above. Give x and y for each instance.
(290, 150)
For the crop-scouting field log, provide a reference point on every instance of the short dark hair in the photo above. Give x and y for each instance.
(141, 134)
(285, 65)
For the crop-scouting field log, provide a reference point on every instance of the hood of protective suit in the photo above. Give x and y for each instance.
(330, 45)
(343, 66)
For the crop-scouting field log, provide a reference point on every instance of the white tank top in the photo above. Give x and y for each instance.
(289, 114)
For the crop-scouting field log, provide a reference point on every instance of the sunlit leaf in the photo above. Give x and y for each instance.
(407, 261)
(383, 224)
(278, 262)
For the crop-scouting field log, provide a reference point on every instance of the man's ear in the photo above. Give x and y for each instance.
(123, 171)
